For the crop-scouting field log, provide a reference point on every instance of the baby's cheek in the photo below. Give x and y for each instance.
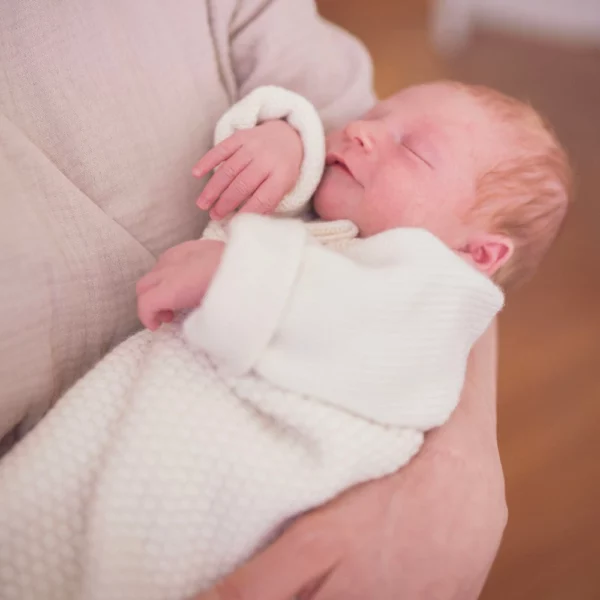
(395, 201)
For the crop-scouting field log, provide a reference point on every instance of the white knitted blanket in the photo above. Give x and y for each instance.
(305, 371)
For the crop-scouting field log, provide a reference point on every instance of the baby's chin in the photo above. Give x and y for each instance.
(336, 198)
(330, 207)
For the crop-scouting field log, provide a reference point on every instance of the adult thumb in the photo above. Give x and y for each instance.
(302, 555)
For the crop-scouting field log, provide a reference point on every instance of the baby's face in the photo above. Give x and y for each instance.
(412, 161)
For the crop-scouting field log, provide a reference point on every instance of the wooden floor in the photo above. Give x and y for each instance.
(549, 387)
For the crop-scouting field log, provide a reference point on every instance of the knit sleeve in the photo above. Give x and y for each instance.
(383, 331)
(247, 297)
(287, 43)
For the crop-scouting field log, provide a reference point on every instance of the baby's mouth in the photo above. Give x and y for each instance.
(333, 159)
(336, 161)
(342, 166)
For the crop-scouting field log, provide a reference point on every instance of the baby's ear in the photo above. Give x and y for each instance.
(488, 252)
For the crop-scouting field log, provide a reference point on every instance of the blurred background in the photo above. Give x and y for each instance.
(548, 53)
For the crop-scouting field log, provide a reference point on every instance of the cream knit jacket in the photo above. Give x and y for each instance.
(306, 369)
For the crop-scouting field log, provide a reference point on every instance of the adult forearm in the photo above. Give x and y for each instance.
(473, 423)
(458, 477)
(286, 43)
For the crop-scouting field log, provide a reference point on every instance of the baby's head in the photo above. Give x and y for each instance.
(478, 169)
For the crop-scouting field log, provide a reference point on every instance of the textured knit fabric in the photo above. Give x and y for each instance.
(305, 370)
(315, 362)
(105, 106)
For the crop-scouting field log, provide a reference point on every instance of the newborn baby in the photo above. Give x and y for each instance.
(304, 357)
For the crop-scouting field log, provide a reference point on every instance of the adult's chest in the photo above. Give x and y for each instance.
(122, 97)
(104, 108)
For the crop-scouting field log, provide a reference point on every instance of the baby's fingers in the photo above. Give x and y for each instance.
(156, 303)
(166, 316)
(217, 155)
(240, 189)
(266, 197)
(222, 178)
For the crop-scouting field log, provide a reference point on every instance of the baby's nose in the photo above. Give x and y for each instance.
(360, 131)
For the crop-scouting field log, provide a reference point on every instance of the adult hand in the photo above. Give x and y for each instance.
(178, 281)
(430, 531)
(258, 167)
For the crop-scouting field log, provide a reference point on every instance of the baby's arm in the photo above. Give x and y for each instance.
(395, 319)
(270, 153)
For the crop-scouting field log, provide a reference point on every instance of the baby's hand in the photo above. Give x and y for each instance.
(178, 281)
(258, 167)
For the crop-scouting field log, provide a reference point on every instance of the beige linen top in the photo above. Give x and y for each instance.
(105, 106)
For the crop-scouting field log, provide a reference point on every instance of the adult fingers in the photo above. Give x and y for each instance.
(240, 190)
(223, 176)
(217, 155)
(302, 555)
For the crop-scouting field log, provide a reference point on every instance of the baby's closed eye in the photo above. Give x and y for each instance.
(416, 152)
